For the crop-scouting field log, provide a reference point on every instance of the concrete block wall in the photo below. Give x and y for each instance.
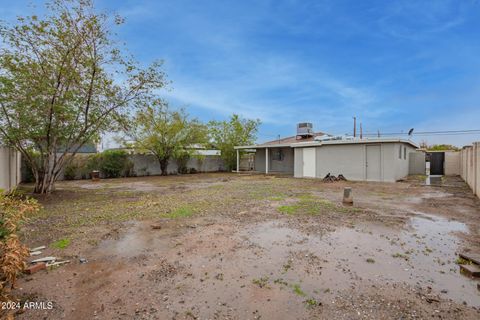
(452, 163)
(470, 166)
(9, 168)
(147, 165)
(144, 164)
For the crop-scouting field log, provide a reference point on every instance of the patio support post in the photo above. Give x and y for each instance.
(266, 160)
(238, 160)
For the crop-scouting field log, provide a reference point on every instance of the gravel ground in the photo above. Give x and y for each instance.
(232, 246)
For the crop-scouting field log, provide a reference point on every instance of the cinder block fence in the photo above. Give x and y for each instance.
(470, 166)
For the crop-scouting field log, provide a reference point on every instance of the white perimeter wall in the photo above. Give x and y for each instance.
(470, 166)
(9, 168)
(452, 163)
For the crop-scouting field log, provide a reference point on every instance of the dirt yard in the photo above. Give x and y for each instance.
(232, 246)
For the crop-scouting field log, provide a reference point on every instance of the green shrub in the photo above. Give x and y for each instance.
(182, 163)
(111, 163)
(70, 171)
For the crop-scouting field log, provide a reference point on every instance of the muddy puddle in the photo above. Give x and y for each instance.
(424, 255)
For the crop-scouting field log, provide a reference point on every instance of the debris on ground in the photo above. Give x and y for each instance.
(35, 253)
(35, 268)
(45, 259)
(83, 260)
(57, 263)
(156, 226)
(470, 264)
(331, 178)
(38, 248)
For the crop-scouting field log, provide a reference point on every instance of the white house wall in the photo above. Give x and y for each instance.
(350, 160)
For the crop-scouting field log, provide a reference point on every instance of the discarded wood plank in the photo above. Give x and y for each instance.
(474, 257)
(35, 268)
(35, 253)
(38, 248)
(58, 263)
(45, 259)
(471, 270)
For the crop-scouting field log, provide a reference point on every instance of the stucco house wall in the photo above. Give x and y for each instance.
(348, 160)
(298, 162)
(285, 166)
(260, 160)
(416, 163)
(401, 154)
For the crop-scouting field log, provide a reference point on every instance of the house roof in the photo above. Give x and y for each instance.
(291, 140)
(311, 142)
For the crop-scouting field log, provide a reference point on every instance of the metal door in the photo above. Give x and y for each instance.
(374, 163)
(309, 162)
(437, 160)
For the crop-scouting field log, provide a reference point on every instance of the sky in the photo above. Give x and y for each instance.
(395, 65)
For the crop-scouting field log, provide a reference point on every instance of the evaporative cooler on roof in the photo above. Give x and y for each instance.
(305, 129)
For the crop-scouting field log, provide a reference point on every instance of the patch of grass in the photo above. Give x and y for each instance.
(288, 209)
(182, 212)
(262, 282)
(370, 260)
(311, 302)
(298, 290)
(281, 282)
(401, 255)
(287, 266)
(61, 244)
(309, 204)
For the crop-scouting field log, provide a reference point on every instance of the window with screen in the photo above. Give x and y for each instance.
(404, 153)
(278, 155)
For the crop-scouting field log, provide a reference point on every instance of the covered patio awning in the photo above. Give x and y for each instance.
(253, 148)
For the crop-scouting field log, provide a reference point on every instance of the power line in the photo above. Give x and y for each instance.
(428, 133)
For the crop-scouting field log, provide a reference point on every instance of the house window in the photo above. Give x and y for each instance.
(400, 153)
(278, 155)
(404, 153)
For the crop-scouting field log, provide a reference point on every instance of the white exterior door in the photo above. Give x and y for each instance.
(374, 163)
(309, 162)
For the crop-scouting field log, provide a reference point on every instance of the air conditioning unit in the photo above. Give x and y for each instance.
(305, 129)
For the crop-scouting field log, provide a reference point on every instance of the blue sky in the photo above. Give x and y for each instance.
(393, 64)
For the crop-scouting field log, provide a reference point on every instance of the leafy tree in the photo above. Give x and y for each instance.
(439, 147)
(235, 132)
(166, 133)
(64, 81)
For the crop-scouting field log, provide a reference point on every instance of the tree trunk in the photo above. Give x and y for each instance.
(163, 165)
(44, 183)
(46, 176)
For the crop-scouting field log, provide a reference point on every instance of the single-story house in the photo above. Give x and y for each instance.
(9, 169)
(317, 154)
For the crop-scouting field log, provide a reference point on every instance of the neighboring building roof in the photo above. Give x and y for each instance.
(86, 148)
(311, 143)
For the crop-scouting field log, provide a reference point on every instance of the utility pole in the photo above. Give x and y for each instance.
(361, 131)
(354, 127)
(378, 133)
